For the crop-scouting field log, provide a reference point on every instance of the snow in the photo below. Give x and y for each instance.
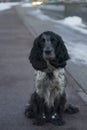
(7, 5)
(73, 21)
(76, 23)
(78, 52)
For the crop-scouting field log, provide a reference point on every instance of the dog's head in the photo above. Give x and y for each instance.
(48, 46)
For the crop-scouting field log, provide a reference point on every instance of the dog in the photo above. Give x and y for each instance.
(49, 57)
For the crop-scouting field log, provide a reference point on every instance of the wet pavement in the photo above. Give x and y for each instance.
(16, 80)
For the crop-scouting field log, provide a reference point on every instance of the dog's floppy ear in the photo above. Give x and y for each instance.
(36, 57)
(61, 51)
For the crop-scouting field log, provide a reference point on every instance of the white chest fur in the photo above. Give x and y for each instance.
(50, 89)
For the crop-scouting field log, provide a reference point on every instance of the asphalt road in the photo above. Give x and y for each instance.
(16, 79)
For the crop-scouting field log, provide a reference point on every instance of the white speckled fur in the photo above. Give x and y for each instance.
(50, 89)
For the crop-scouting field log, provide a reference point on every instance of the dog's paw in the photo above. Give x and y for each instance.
(72, 109)
(57, 120)
(28, 112)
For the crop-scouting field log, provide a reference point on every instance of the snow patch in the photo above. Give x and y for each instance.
(75, 22)
(78, 52)
(7, 5)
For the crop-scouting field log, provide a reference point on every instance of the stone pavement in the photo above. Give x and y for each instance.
(16, 80)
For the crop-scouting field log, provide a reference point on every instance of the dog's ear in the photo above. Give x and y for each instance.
(36, 57)
(61, 51)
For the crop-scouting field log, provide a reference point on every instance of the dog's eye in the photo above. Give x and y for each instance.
(52, 39)
(42, 40)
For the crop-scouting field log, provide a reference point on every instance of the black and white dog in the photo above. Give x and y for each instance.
(48, 103)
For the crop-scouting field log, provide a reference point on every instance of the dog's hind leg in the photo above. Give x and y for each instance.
(70, 109)
(32, 108)
(40, 118)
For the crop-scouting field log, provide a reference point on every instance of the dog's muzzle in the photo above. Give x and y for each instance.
(48, 54)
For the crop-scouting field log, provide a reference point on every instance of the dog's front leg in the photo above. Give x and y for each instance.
(57, 118)
(40, 118)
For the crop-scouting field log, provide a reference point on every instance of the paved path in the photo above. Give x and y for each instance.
(16, 80)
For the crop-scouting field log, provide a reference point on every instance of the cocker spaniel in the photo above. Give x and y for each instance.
(48, 103)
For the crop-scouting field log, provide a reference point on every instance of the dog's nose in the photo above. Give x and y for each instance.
(47, 52)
